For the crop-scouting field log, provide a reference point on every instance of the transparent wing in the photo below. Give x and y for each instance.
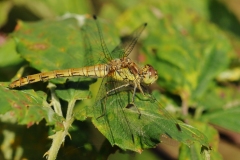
(128, 43)
(96, 50)
(95, 40)
(120, 123)
(106, 108)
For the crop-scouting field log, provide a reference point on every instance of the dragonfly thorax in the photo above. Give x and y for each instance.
(125, 69)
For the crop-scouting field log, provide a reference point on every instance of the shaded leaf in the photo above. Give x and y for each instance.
(73, 90)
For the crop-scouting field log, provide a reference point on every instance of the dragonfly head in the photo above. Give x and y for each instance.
(149, 74)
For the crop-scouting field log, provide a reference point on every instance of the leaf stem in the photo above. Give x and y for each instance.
(59, 137)
(184, 96)
(71, 105)
(198, 112)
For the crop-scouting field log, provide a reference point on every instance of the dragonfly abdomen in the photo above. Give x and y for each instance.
(96, 71)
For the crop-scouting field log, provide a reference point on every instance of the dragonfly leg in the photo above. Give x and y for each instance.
(132, 103)
(117, 88)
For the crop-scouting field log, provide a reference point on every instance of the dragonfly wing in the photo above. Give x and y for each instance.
(96, 50)
(128, 43)
(109, 112)
(120, 122)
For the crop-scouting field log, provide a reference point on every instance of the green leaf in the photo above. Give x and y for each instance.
(222, 106)
(124, 126)
(27, 106)
(61, 44)
(193, 152)
(187, 51)
(48, 8)
(230, 75)
(72, 6)
(227, 118)
(73, 91)
(50, 45)
(215, 60)
(219, 97)
(5, 7)
(8, 54)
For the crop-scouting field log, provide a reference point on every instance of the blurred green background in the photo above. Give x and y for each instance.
(194, 45)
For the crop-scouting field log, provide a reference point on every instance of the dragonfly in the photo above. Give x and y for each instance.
(120, 69)
(124, 85)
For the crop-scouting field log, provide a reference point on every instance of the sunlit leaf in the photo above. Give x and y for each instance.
(125, 127)
(188, 57)
(4, 10)
(8, 54)
(50, 45)
(27, 106)
(226, 118)
(197, 151)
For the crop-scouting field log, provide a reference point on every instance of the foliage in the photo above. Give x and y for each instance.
(193, 57)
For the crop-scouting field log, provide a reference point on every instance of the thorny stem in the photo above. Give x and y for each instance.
(59, 137)
(71, 105)
(55, 100)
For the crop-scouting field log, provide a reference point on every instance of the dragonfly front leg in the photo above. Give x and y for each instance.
(133, 95)
(136, 85)
(117, 88)
(110, 92)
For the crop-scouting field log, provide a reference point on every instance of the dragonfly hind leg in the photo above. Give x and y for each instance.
(132, 102)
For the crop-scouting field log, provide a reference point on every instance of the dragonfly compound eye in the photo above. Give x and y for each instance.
(149, 74)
